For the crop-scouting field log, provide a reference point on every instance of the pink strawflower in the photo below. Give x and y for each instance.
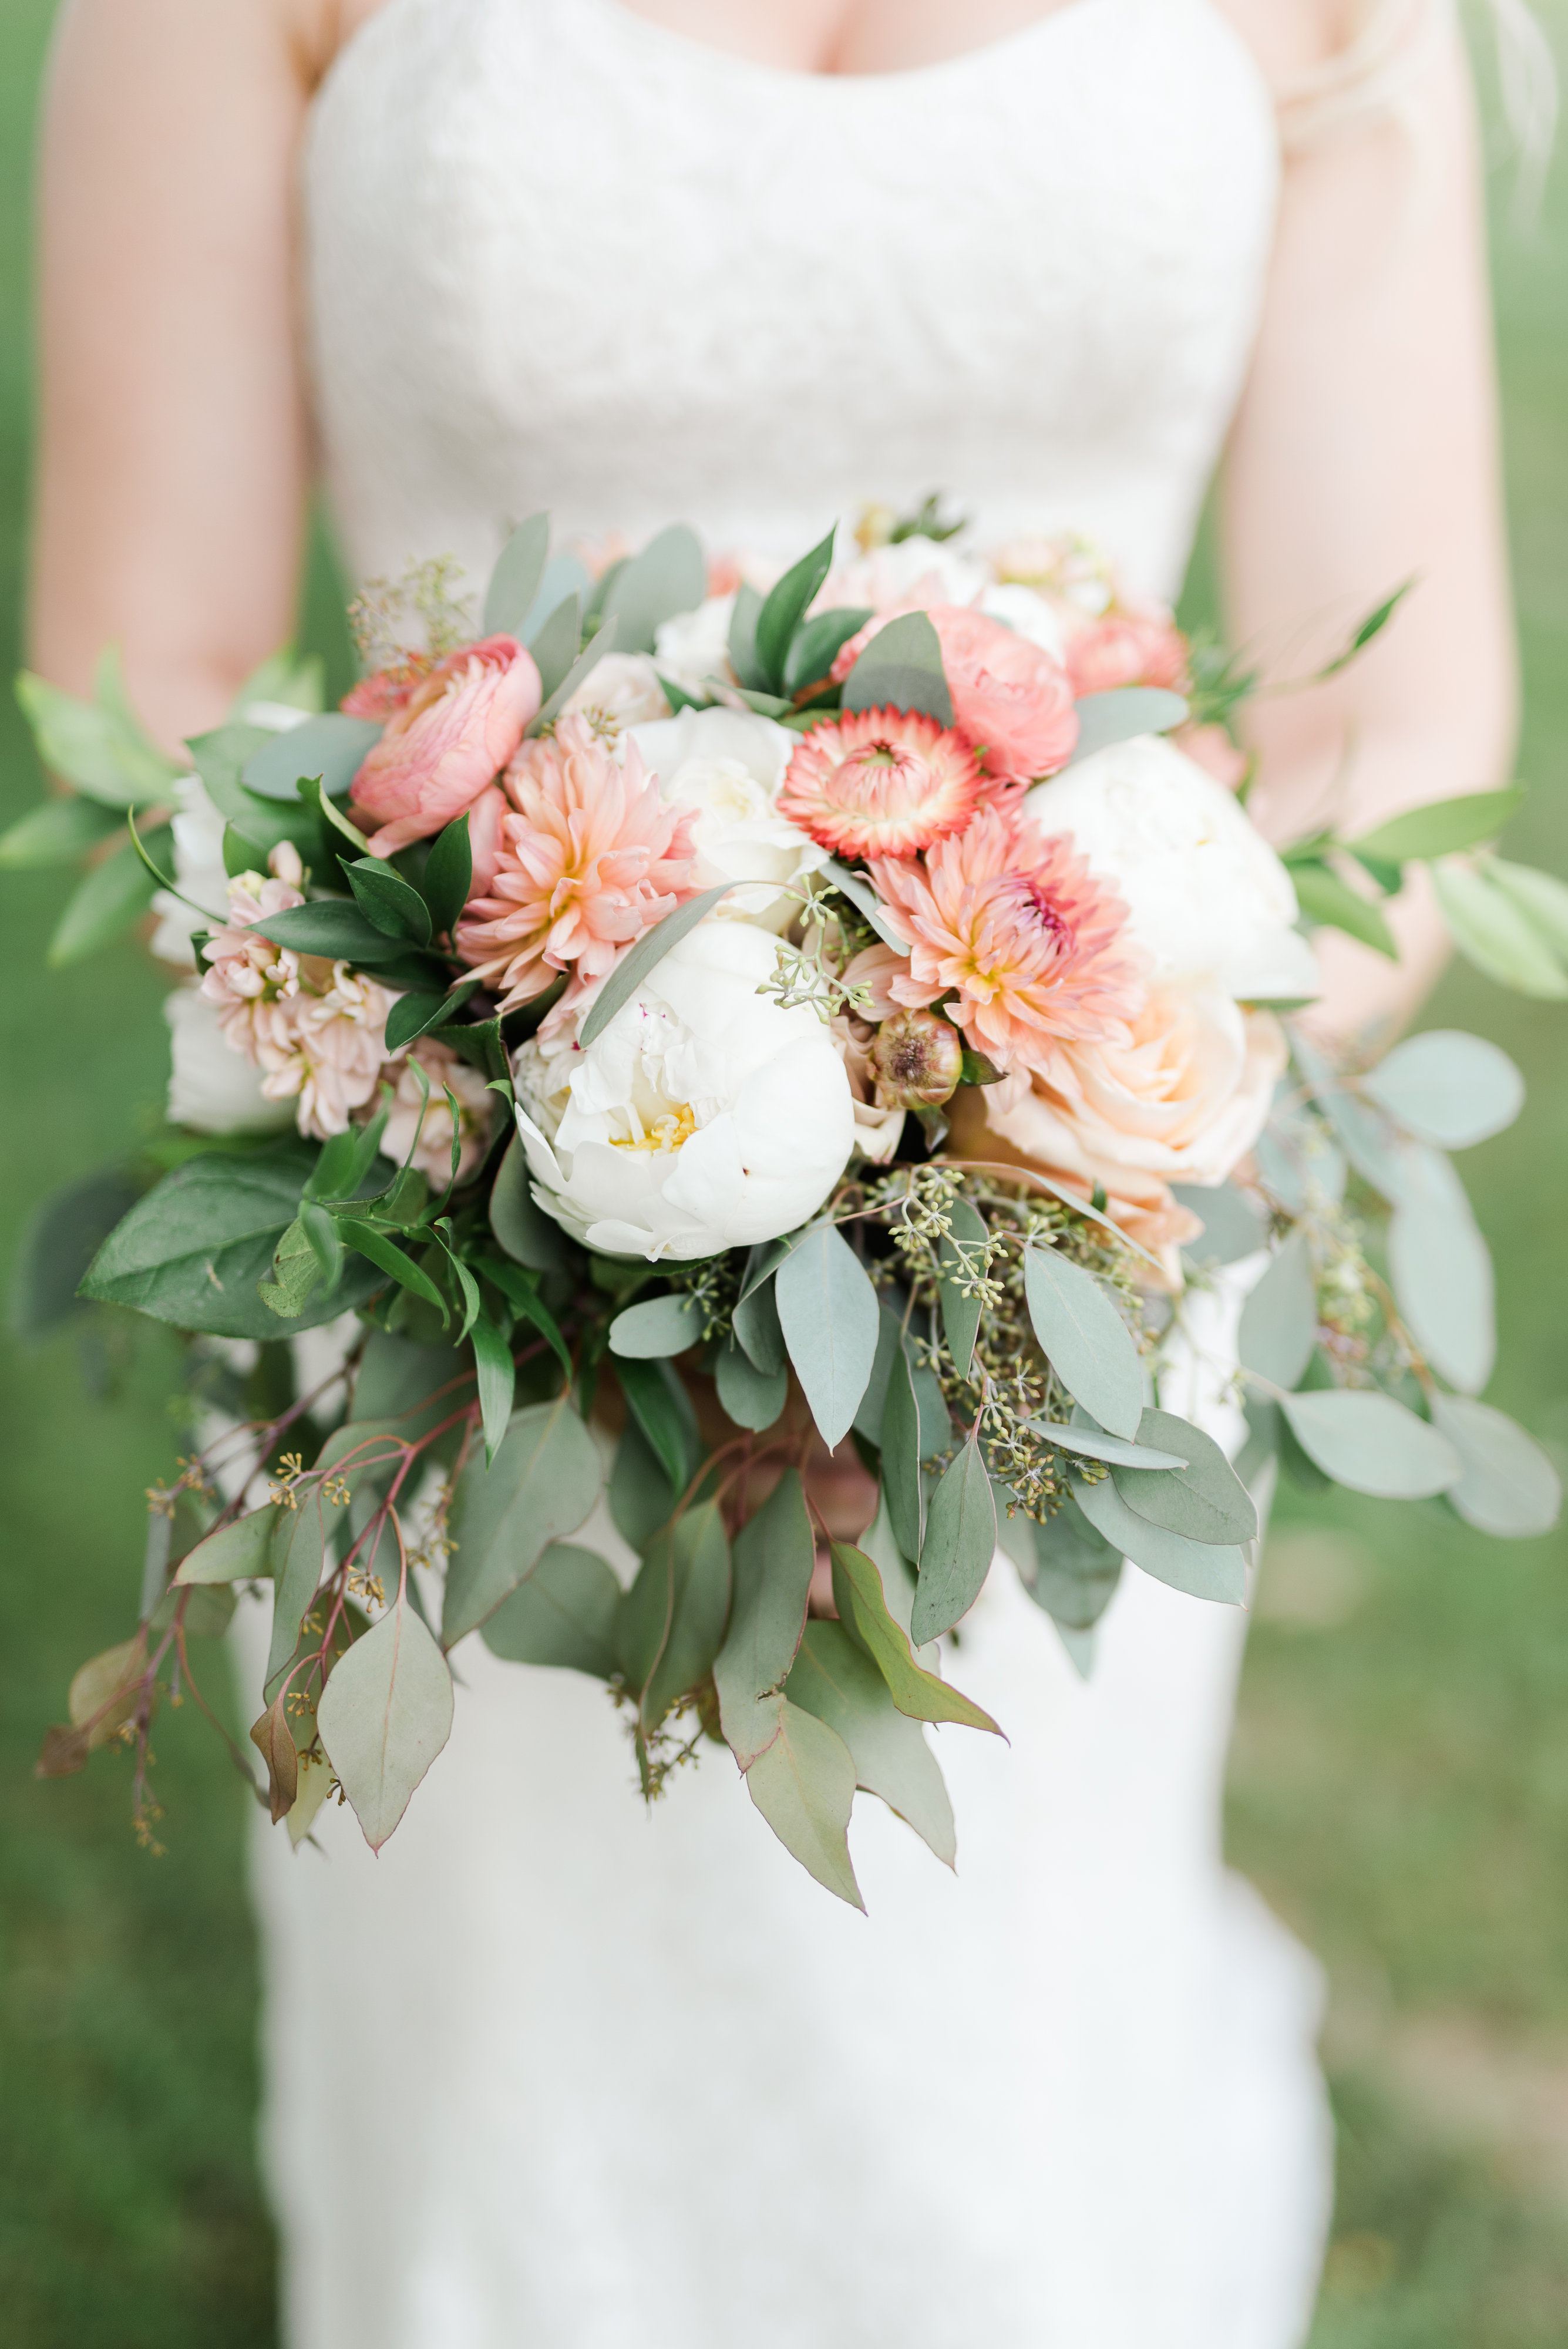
(880, 783)
(1012, 701)
(1128, 648)
(1017, 926)
(590, 858)
(451, 737)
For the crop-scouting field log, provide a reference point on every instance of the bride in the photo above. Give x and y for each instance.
(552, 2073)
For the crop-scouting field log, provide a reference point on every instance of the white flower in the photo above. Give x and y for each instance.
(1029, 615)
(198, 869)
(622, 690)
(1208, 897)
(727, 765)
(213, 1088)
(694, 647)
(916, 570)
(705, 1117)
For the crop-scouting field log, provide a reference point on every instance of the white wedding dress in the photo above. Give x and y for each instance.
(553, 2073)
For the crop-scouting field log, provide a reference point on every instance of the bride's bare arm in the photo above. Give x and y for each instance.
(1365, 454)
(173, 443)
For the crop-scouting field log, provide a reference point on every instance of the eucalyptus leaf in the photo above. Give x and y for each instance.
(543, 1482)
(827, 1310)
(757, 1329)
(1122, 715)
(1205, 1501)
(803, 1784)
(604, 641)
(330, 748)
(235, 1553)
(1232, 1226)
(299, 1554)
(1278, 1319)
(385, 1714)
(556, 643)
(898, 1436)
(1076, 1572)
(58, 833)
(864, 1611)
(1488, 927)
(751, 1398)
(1094, 1444)
(660, 1405)
(901, 669)
(1508, 1487)
(522, 1228)
(108, 900)
(1372, 1443)
(650, 950)
(961, 1542)
(1540, 897)
(1084, 1340)
(1442, 827)
(657, 1325)
(1329, 902)
(563, 1613)
(672, 1622)
(515, 582)
(640, 1496)
(837, 1681)
(1442, 1278)
(1202, 1569)
(669, 576)
(564, 575)
(1448, 1089)
(864, 900)
(775, 1553)
(960, 1314)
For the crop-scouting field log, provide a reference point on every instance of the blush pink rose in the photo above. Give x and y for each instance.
(448, 742)
(1011, 698)
(1127, 648)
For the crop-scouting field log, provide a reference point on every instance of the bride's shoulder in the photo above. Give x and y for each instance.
(1289, 37)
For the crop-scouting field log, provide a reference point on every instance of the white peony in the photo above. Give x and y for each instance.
(694, 647)
(214, 1088)
(728, 765)
(1208, 895)
(705, 1117)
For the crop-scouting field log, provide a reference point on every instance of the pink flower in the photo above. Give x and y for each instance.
(484, 821)
(880, 783)
(590, 860)
(445, 1072)
(382, 694)
(1017, 928)
(1127, 648)
(447, 742)
(1011, 699)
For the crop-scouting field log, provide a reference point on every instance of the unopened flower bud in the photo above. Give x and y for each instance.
(919, 1059)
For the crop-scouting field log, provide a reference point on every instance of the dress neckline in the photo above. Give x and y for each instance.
(618, 17)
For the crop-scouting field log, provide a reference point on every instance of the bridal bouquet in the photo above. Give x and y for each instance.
(775, 1065)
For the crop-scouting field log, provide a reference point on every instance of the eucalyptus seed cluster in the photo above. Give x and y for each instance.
(712, 1284)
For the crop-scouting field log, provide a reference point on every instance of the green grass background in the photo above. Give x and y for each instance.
(1400, 1783)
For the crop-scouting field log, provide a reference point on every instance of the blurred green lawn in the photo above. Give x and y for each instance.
(1400, 1783)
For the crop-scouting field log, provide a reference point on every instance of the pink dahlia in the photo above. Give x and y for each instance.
(1011, 700)
(589, 860)
(1016, 925)
(449, 740)
(880, 783)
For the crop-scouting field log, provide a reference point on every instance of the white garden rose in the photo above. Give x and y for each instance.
(1208, 895)
(1028, 615)
(705, 1117)
(622, 690)
(694, 647)
(214, 1088)
(727, 765)
(926, 568)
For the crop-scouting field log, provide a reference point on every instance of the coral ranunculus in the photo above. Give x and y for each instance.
(589, 858)
(1011, 698)
(451, 737)
(1127, 648)
(881, 782)
(1034, 946)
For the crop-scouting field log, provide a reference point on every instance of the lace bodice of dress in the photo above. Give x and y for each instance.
(560, 257)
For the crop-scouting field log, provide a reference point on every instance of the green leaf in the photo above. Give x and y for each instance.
(902, 668)
(960, 1314)
(864, 900)
(515, 582)
(92, 747)
(751, 1398)
(298, 1555)
(388, 902)
(658, 1326)
(1540, 897)
(1084, 1340)
(1278, 1319)
(411, 1388)
(863, 1609)
(193, 1250)
(669, 576)
(448, 875)
(1372, 1443)
(346, 1160)
(671, 1621)
(899, 1435)
(1448, 1089)
(113, 896)
(522, 1289)
(237, 1552)
(331, 926)
(58, 833)
(653, 1394)
(388, 1258)
(562, 1613)
(818, 645)
(1232, 1226)
(1328, 902)
(414, 1016)
(563, 575)
(1442, 1278)
(1376, 620)
(556, 643)
(285, 676)
(1508, 1487)
(784, 609)
(329, 749)
(384, 1715)
(522, 1227)
(1205, 1501)
(1094, 1444)
(1441, 828)
(803, 1784)
(293, 1273)
(774, 1554)
(497, 1382)
(1075, 1571)
(743, 644)
(640, 1495)
(59, 1242)
(1123, 715)
(961, 1542)
(1202, 1569)
(544, 1482)
(836, 1680)
(650, 950)
(827, 1310)
(604, 641)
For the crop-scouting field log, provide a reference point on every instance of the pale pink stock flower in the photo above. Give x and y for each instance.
(880, 783)
(325, 1050)
(1128, 648)
(451, 739)
(1011, 699)
(245, 973)
(445, 1072)
(1034, 946)
(591, 858)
